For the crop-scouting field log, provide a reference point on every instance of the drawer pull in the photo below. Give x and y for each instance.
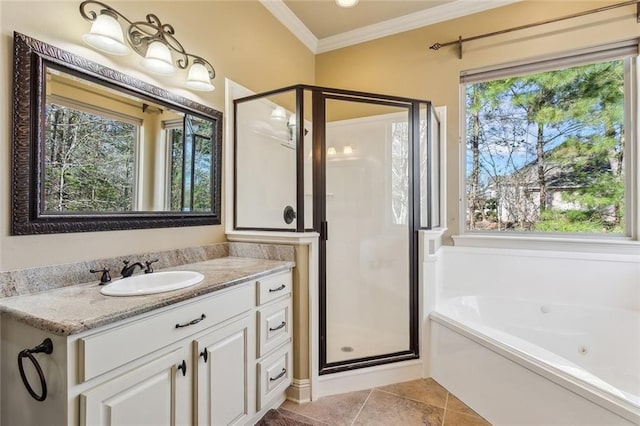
(205, 354)
(282, 373)
(278, 327)
(273, 290)
(183, 366)
(192, 322)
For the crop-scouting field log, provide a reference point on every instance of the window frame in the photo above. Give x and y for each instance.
(168, 126)
(629, 241)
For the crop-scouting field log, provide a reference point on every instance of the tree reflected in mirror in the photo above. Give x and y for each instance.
(89, 161)
(191, 160)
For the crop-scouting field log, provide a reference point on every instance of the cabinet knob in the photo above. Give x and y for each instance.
(183, 366)
(205, 354)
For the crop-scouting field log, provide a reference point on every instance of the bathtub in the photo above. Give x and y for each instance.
(533, 362)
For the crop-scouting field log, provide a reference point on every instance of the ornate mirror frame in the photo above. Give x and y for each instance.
(30, 60)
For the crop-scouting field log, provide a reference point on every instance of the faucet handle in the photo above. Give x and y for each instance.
(149, 269)
(105, 277)
(124, 268)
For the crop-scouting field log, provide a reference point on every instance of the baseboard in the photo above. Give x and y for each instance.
(299, 391)
(367, 378)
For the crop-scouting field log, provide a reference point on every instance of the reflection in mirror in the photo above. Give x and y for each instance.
(190, 151)
(95, 149)
(96, 144)
(89, 161)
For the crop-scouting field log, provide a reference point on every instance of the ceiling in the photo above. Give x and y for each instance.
(325, 19)
(322, 26)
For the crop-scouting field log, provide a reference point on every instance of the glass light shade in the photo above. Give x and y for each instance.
(331, 151)
(347, 149)
(279, 114)
(158, 59)
(106, 35)
(198, 78)
(346, 3)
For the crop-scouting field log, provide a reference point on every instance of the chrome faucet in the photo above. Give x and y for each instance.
(128, 270)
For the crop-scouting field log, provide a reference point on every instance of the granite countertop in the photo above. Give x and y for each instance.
(74, 309)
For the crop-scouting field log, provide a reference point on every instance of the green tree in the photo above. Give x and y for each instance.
(552, 109)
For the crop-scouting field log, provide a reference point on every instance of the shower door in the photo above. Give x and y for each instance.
(366, 212)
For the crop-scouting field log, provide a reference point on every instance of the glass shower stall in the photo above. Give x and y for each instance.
(362, 170)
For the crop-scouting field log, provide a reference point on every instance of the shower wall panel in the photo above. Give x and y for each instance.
(367, 250)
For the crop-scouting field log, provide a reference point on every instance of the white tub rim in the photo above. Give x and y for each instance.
(559, 377)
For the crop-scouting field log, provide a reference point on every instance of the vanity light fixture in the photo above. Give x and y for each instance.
(346, 3)
(151, 39)
(347, 149)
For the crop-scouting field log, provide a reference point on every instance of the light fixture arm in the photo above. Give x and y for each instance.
(91, 16)
(141, 33)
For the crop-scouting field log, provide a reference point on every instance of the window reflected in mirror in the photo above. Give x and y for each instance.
(190, 160)
(108, 151)
(89, 159)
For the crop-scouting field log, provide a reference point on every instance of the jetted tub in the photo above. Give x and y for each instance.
(591, 352)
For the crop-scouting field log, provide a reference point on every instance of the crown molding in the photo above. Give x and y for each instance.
(409, 22)
(291, 21)
(401, 24)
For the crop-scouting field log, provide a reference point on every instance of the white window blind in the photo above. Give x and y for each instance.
(607, 52)
(93, 109)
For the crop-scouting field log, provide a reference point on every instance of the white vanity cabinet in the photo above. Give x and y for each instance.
(204, 361)
(274, 357)
(222, 374)
(156, 393)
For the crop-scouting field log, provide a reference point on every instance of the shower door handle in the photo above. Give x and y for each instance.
(324, 230)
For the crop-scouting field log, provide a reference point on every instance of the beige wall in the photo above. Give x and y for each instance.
(403, 65)
(241, 39)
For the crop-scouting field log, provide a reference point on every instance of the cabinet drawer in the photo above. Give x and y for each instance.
(274, 375)
(274, 326)
(273, 287)
(106, 350)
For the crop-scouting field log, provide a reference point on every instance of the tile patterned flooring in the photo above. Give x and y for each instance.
(418, 402)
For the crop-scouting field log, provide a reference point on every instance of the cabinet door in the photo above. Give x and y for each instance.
(157, 393)
(223, 377)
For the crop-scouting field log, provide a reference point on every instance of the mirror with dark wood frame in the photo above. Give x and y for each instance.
(95, 149)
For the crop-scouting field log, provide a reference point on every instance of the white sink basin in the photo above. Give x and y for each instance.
(156, 282)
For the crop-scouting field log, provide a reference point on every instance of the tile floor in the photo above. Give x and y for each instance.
(418, 402)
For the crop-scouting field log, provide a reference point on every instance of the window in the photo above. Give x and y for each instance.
(89, 159)
(399, 172)
(176, 160)
(547, 145)
(190, 156)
